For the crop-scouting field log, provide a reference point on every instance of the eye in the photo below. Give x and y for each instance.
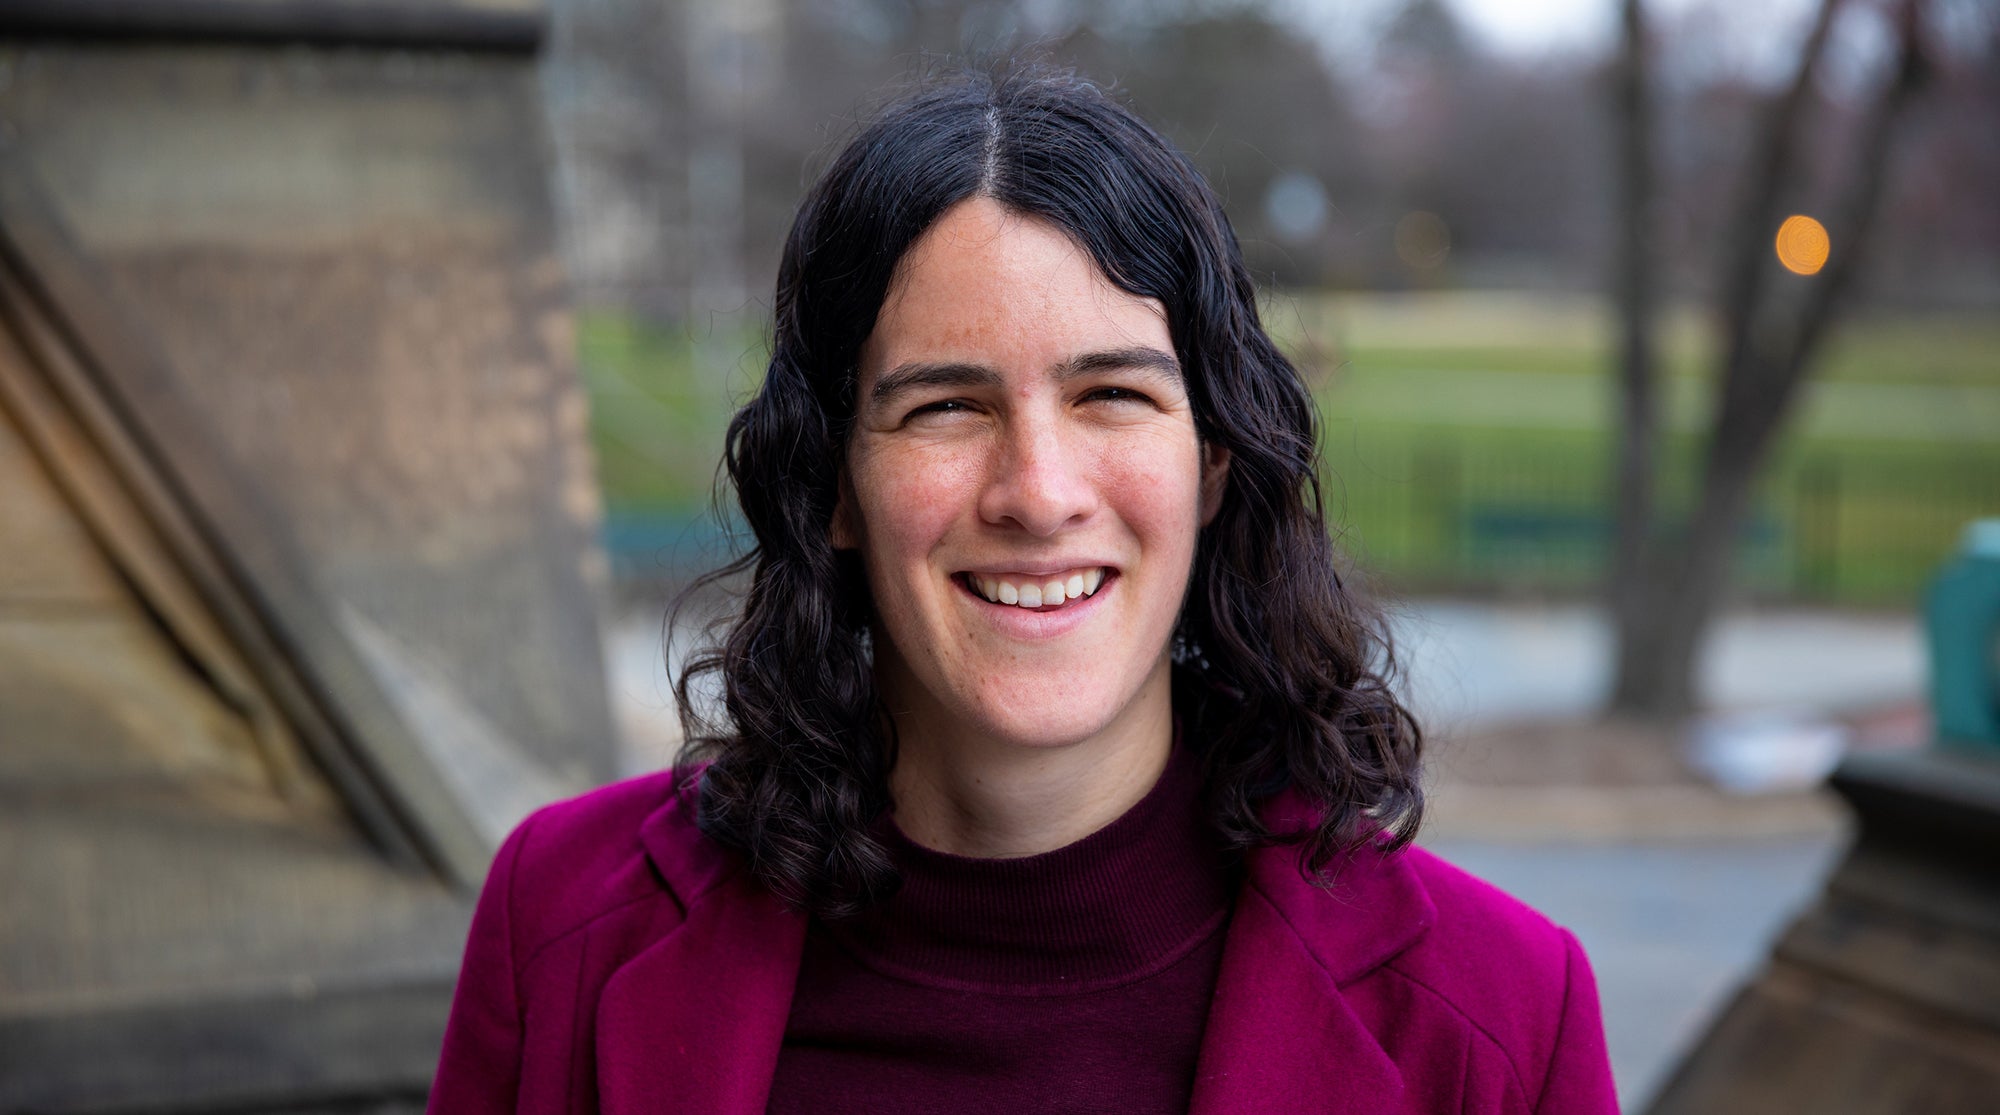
(942, 406)
(1116, 395)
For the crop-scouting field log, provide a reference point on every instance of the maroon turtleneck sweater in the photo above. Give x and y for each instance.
(1077, 980)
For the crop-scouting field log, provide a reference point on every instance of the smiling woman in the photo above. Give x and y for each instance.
(1024, 487)
(1059, 769)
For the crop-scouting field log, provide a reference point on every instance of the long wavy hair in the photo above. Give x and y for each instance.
(1281, 669)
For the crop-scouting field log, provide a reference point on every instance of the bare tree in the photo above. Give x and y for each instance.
(1771, 331)
(1635, 281)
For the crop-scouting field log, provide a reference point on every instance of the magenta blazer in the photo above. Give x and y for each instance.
(619, 961)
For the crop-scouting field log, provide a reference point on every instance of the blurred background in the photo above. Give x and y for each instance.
(1656, 346)
(1650, 578)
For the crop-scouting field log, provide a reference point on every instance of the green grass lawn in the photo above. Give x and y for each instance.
(1467, 437)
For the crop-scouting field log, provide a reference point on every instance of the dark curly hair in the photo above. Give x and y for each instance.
(1280, 680)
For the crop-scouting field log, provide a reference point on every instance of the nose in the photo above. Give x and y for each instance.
(1039, 479)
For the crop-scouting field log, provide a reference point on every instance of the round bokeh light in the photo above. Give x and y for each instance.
(1803, 245)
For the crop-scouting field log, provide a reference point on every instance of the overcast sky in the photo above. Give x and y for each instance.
(1761, 36)
(1535, 26)
(1764, 33)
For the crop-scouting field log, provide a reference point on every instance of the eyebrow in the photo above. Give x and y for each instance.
(1136, 358)
(917, 373)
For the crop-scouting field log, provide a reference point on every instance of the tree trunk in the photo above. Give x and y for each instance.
(1769, 343)
(1630, 579)
(1659, 637)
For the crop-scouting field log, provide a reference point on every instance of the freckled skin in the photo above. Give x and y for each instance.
(1033, 468)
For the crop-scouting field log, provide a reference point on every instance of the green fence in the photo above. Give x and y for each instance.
(1453, 508)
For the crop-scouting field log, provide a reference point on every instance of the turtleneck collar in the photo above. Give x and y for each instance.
(1116, 906)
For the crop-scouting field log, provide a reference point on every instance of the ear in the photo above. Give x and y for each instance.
(1214, 479)
(842, 532)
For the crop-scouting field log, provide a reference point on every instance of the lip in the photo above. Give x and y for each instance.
(1048, 569)
(1040, 623)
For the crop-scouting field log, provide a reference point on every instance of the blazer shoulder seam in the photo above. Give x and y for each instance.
(515, 968)
(1513, 1068)
(1571, 950)
(530, 826)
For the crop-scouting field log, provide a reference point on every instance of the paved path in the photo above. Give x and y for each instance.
(1671, 930)
(1674, 928)
(1480, 663)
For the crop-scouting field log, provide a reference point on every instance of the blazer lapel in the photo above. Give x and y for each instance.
(695, 1021)
(1281, 1037)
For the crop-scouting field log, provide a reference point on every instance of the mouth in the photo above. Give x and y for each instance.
(1035, 591)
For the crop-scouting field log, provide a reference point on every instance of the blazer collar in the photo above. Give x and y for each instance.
(1281, 1037)
(695, 1021)
(689, 864)
(699, 1015)
(1372, 906)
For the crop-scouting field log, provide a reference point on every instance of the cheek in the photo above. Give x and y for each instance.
(909, 501)
(1156, 488)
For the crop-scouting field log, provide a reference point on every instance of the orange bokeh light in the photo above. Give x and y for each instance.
(1803, 244)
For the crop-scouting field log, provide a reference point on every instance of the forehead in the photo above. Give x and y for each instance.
(991, 285)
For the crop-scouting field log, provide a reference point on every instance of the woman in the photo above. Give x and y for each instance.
(1059, 772)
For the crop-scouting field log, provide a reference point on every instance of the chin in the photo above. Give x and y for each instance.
(1048, 718)
(1042, 732)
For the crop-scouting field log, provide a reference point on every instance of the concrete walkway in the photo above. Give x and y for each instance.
(1470, 664)
(1673, 927)
(1672, 930)
(1477, 664)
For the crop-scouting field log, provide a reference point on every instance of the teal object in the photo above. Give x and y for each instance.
(1964, 621)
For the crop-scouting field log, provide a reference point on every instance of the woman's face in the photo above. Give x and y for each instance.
(1024, 486)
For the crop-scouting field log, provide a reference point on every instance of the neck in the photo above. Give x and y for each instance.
(962, 793)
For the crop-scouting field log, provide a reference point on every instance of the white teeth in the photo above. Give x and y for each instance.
(1048, 594)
